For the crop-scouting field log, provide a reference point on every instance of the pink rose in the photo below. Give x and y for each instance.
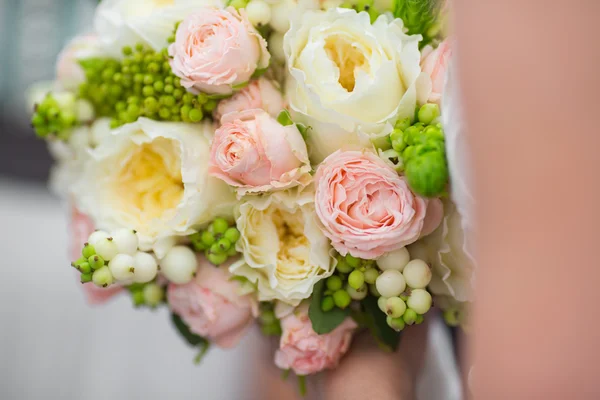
(254, 153)
(81, 227)
(69, 73)
(434, 63)
(211, 306)
(260, 94)
(216, 49)
(367, 209)
(305, 352)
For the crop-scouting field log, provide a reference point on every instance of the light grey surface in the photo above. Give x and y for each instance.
(54, 346)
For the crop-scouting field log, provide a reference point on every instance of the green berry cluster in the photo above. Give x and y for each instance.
(141, 85)
(217, 241)
(399, 314)
(352, 280)
(50, 118)
(147, 294)
(422, 151)
(269, 324)
(93, 267)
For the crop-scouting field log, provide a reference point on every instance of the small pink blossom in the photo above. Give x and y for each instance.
(69, 74)
(260, 93)
(305, 352)
(434, 62)
(367, 209)
(212, 307)
(254, 153)
(215, 50)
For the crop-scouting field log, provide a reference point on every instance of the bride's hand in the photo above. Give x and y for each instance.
(366, 372)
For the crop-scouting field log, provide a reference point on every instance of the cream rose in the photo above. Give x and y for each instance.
(215, 50)
(261, 94)
(284, 252)
(254, 153)
(153, 177)
(120, 23)
(451, 260)
(351, 80)
(72, 155)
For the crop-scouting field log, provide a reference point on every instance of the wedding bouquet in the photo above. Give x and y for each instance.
(279, 162)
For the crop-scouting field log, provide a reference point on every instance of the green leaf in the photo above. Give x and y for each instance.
(218, 96)
(189, 336)
(284, 118)
(302, 385)
(259, 72)
(375, 320)
(419, 16)
(324, 322)
(240, 86)
(303, 130)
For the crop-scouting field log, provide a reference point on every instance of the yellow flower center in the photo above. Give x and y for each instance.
(294, 248)
(348, 58)
(163, 3)
(149, 182)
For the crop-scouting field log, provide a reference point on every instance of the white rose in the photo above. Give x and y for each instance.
(72, 155)
(153, 177)
(120, 23)
(451, 260)
(284, 252)
(351, 80)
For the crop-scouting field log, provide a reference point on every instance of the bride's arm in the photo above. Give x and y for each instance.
(531, 83)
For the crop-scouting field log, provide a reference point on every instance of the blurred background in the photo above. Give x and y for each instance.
(52, 344)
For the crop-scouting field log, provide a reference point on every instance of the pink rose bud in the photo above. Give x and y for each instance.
(261, 94)
(367, 209)
(81, 227)
(215, 50)
(211, 306)
(434, 63)
(254, 153)
(305, 352)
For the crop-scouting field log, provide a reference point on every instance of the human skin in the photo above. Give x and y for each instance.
(530, 85)
(365, 373)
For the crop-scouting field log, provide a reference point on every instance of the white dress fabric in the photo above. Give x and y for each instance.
(457, 151)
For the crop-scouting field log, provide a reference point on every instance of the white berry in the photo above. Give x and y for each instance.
(395, 260)
(179, 265)
(126, 241)
(258, 12)
(146, 267)
(97, 236)
(122, 267)
(382, 304)
(417, 274)
(390, 283)
(106, 248)
(280, 15)
(420, 301)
